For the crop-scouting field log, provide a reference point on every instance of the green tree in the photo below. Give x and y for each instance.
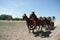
(5, 17)
(53, 18)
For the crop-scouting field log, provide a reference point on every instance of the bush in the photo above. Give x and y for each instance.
(17, 19)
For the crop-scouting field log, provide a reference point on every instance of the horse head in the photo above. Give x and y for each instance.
(42, 18)
(24, 16)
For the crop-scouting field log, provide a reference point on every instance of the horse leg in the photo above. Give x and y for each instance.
(33, 31)
(34, 28)
(39, 28)
(29, 29)
(48, 26)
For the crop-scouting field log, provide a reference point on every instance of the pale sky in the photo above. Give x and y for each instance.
(17, 8)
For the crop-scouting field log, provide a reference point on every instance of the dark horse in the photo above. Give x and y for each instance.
(29, 23)
(42, 22)
(45, 21)
(35, 19)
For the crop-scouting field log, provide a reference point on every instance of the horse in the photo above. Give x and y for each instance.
(29, 23)
(46, 21)
(35, 19)
(42, 22)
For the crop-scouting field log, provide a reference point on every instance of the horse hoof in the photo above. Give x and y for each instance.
(32, 31)
(41, 31)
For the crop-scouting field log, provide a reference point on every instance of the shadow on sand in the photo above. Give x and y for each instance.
(43, 34)
(51, 28)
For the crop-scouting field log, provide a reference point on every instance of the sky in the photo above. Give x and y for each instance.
(17, 8)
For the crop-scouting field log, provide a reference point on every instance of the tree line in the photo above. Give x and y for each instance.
(9, 17)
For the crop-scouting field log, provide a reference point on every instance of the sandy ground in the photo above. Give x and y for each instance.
(17, 30)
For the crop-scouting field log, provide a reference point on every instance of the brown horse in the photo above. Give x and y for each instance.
(29, 23)
(42, 22)
(35, 19)
(47, 21)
